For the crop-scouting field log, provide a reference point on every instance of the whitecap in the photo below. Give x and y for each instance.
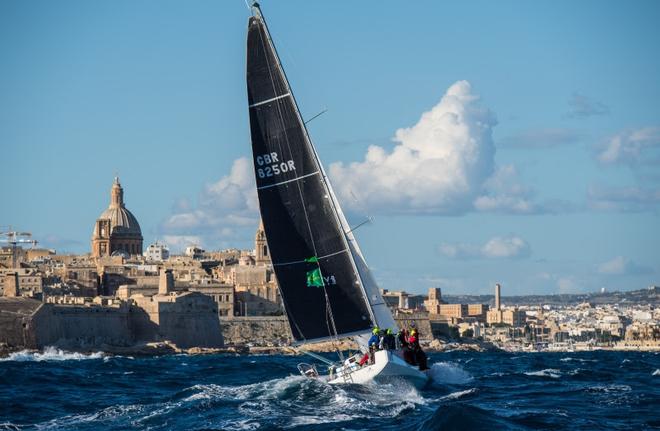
(264, 390)
(569, 359)
(548, 372)
(656, 372)
(459, 394)
(74, 421)
(50, 354)
(449, 373)
(609, 388)
(332, 404)
(245, 424)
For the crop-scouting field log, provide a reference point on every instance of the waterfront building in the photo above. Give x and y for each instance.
(394, 300)
(457, 311)
(116, 231)
(512, 317)
(157, 252)
(432, 304)
(194, 252)
(258, 300)
(478, 311)
(21, 282)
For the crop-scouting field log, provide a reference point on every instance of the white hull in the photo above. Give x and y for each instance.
(388, 367)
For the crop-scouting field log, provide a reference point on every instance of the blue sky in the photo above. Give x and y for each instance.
(516, 142)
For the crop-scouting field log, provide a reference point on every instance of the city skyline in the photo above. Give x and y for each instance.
(483, 156)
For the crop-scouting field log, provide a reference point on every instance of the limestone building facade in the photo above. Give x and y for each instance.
(432, 304)
(116, 231)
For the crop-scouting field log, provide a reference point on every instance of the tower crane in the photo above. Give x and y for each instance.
(14, 238)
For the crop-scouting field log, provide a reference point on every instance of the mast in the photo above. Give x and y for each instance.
(302, 220)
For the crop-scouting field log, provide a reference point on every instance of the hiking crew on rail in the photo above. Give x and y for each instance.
(407, 341)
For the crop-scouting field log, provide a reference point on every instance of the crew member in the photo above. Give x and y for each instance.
(373, 346)
(389, 342)
(418, 353)
(403, 338)
(375, 337)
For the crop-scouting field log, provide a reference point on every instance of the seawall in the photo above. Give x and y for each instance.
(258, 331)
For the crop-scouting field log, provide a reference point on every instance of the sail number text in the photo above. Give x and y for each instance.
(271, 165)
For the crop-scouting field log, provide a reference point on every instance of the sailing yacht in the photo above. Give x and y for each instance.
(326, 286)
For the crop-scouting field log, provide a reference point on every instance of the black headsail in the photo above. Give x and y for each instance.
(318, 280)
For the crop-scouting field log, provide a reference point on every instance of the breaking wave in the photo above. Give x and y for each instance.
(548, 372)
(609, 388)
(656, 372)
(50, 354)
(459, 394)
(449, 373)
(570, 359)
(314, 403)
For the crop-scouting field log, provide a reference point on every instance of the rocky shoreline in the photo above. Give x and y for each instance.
(168, 348)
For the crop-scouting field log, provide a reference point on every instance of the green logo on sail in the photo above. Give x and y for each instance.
(314, 277)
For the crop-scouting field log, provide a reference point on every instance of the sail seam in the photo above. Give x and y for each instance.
(287, 181)
(319, 257)
(272, 99)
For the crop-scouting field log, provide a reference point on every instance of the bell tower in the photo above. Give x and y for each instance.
(262, 254)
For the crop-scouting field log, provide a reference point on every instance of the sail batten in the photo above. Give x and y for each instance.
(319, 282)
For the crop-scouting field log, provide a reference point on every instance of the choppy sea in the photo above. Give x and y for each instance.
(57, 390)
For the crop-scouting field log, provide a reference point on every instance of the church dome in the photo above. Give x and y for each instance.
(122, 221)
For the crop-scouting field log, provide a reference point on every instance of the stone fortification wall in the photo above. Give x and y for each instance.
(259, 331)
(172, 318)
(15, 321)
(189, 320)
(81, 326)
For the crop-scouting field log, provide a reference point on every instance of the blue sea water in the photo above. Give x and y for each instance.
(495, 391)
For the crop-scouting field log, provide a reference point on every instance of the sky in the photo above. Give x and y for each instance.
(512, 142)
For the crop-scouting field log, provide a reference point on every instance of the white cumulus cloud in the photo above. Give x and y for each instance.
(438, 166)
(178, 243)
(626, 199)
(622, 266)
(499, 247)
(222, 207)
(503, 192)
(630, 146)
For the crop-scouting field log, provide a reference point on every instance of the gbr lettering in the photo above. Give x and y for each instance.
(270, 165)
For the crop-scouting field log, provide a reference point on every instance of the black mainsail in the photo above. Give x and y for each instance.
(320, 284)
